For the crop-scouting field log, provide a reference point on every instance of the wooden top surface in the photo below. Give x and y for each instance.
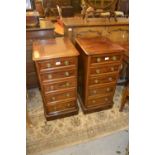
(53, 48)
(98, 45)
(79, 22)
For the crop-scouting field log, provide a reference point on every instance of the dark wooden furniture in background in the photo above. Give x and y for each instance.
(99, 64)
(56, 63)
(69, 7)
(41, 32)
(115, 31)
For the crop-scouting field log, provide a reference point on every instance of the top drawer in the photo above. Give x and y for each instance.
(106, 59)
(57, 62)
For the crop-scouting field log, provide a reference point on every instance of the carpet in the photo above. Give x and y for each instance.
(48, 136)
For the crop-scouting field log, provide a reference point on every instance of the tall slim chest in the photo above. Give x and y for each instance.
(99, 64)
(56, 63)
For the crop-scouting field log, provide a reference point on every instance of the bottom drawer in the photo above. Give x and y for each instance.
(106, 100)
(60, 106)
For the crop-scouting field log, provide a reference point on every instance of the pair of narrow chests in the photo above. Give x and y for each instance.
(87, 71)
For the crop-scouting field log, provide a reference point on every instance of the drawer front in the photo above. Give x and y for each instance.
(60, 85)
(105, 78)
(53, 97)
(100, 91)
(60, 106)
(54, 75)
(50, 64)
(106, 100)
(104, 69)
(105, 59)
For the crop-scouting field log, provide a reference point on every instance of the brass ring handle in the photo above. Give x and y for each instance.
(108, 89)
(112, 69)
(49, 76)
(96, 81)
(67, 95)
(98, 59)
(94, 91)
(67, 84)
(93, 101)
(53, 98)
(110, 78)
(52, 87)
(114, 58)
(97, 71)
(66, 62)
(106, 99)
(48, 65)
(66, 73)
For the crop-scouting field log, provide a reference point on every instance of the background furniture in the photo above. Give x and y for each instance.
(99, 64)
(45, 30)
(56, 63)
(116, 31)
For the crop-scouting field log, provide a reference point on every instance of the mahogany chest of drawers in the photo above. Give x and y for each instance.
(99, 64)
(56, 63)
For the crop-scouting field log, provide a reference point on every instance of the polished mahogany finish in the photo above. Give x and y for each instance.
(56, 63)
(32, 34)
(99, 65)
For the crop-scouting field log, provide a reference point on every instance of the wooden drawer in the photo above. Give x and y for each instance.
(106, 100)
(59, 85)
(93, 91)
(106, 59)
(61, 106)
(57, 74)
(104, 69)
(103, 78)
(61, 95)
(57, 62)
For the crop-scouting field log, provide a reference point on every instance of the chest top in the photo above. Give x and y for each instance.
(53, 48)
(98, 45)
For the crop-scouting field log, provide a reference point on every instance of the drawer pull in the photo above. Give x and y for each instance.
(114, 58)
(94, 91)
(68, 105)
(66, 63)
(106, 99)
(94, 101)
(67, 95)
(52, 87)
(98, 59)
(97, 71)
(112, 69)
(96, 81)
(55, 108)
(58, 63)
(66, 73)
(67, 84)
(110, 78)
(48, 65)
(53, 98)
(106, 58)
(49, 76)
(108, 89)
